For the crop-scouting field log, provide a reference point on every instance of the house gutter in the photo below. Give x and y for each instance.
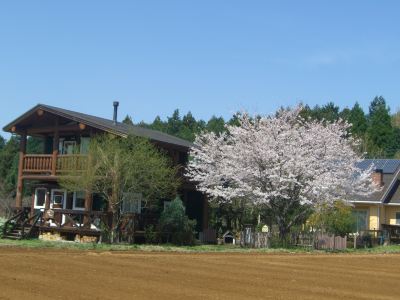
(366, 202)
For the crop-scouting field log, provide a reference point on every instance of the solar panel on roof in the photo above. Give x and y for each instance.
(391, 166)
(388, 166)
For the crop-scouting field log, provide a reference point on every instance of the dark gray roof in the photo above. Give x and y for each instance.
(119, 128)
(390, 193)
(388, 166)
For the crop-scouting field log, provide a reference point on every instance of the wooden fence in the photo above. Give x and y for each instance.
(254, 239)
(208, 236)
(329, 242)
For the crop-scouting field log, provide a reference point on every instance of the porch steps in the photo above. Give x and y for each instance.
(16, 232)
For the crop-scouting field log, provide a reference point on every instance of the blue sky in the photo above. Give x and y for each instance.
(209, 57)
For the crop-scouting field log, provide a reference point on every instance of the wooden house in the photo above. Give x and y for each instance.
(76, 213)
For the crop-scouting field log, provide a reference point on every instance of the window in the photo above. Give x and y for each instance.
(57, 198)
(85, 141)
(132, 203)
(79, 201)
(69, 147)
(361, 217)
(397, 218)
(40, 197)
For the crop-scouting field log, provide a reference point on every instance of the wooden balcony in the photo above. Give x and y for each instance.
(45, 165)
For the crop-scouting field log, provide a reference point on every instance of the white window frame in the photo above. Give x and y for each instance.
(366, 210)
(74, 207)
(36, 195)
(52, 197)
(397, 221)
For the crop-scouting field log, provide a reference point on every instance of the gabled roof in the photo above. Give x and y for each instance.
(107, 125)
(390, 168)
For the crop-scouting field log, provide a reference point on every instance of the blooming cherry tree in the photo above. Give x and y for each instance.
(281, 161)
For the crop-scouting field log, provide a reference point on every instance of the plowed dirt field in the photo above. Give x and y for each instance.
(71, 274)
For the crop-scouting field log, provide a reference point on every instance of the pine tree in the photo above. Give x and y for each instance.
(174, 123)
(359, 121)
(329, 112)
(128, 120)
(380, 132)
(158, 124)
(9, 164)
(216, 125)
(2, 142)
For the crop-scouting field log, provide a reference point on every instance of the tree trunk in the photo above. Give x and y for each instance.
(283, 232)
(114, 236)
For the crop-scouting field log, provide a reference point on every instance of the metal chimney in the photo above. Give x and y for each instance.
(116, 103)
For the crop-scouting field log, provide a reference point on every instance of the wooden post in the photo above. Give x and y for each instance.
(20, 181)
(33, 204)
(47, 200)
(56, 139)
(355, 240)
(88, 207)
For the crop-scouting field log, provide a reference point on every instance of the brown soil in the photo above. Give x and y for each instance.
(66, 274)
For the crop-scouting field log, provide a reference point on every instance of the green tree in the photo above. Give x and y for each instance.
(188, 128)
(345, 113)
(174, 123)
(216, 124)
(380, 131)
(329, 112)
(396, 119)
(235, 120)
(158, 124)
(337, 219)
(34, 145)
(190, 122)
(358, 120)
(2, 143)
(119, 166)
(9, 164)
(175, 225)
(128, 120)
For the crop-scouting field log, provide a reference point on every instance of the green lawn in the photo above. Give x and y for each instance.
(35, 243)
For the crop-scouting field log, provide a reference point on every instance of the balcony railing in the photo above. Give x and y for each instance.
(47, 164)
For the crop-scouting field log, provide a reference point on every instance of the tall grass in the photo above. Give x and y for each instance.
(35, 243)
(2, 221)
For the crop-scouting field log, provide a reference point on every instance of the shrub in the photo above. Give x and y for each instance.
(150, 235)
(336, 219)
(175, 225)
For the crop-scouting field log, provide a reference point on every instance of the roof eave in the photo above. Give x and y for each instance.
(8, 127)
